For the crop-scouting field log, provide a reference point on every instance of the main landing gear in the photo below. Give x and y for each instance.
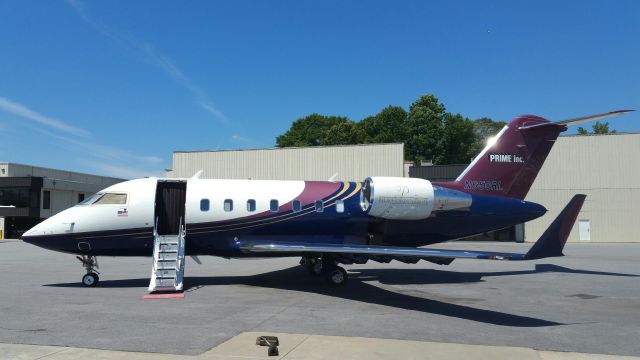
(325, 266)
(90, 263)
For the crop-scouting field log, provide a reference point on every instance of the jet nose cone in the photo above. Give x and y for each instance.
(29, 233)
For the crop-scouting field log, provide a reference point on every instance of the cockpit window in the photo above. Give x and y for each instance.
(90, 199)
(111, 199)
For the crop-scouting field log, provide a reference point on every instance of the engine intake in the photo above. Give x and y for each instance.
(397, 198)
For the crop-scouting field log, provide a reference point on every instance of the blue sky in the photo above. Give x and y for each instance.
(113, 87)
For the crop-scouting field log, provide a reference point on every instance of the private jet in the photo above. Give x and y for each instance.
(325, 223)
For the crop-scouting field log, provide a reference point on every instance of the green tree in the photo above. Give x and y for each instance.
(597, 128)
(457, 141)
(602, 128)
(427, 130)
(344, 133)
(388, 126)
(309, 130)
(424, 128)
(484, 128)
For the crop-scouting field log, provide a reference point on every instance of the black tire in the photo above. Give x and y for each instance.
(337, 276)
(90, 280)
(314, 267)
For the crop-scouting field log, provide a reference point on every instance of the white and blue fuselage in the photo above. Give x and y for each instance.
(219, 214)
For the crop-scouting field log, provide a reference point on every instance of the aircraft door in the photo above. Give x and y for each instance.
(170, 206)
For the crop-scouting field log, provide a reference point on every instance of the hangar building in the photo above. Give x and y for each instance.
(352, 162)
(604, 167)
(29, 194)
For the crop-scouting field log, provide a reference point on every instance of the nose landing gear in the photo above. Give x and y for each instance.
(90, 263)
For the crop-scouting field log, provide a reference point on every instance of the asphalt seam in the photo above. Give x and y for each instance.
(295, 347)
(53, 353)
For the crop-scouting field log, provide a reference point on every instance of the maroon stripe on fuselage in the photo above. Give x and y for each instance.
(313, 190)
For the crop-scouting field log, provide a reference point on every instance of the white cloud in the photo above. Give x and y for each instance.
(109, 159)
(24, 112)
(148, 52)
(103, 151)
(239, 138)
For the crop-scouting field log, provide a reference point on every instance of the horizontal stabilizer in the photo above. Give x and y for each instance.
(552, 242)
(578, 120)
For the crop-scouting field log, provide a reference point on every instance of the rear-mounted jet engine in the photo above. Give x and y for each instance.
(395, 198)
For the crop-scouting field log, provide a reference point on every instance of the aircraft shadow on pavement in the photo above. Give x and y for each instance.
(357, 289)
(436, 276)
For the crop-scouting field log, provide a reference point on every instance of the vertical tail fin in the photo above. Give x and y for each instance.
(510, 162)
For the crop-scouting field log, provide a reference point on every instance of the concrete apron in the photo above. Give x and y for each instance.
(308, 347)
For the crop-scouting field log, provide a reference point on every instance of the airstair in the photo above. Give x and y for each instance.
(168, 261)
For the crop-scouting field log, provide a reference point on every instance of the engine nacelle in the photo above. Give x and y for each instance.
(396, 198)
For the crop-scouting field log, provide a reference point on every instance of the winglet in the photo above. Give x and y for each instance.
(552, 242)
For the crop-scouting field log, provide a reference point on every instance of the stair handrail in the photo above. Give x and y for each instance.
(180, 253)
(155, 228)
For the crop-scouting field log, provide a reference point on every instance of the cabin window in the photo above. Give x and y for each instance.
(251, 205)
(339, 206)
(296, 205)
(46, 199)
(204, 205)
(111, 199)
(228, 205)
(319, 206)
(273, 205)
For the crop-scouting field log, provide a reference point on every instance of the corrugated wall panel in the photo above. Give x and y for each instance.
(604, 167)
(312, 163)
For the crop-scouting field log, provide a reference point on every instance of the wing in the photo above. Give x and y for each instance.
(550, 244)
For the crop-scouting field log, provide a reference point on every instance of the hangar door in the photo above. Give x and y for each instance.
(169, 209)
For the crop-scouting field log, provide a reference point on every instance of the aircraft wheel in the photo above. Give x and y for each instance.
(338, 276)
(90, 280)
(314, 267)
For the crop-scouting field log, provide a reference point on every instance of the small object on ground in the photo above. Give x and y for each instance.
(271, 341)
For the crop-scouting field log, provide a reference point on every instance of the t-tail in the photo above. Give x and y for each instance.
(510, 162)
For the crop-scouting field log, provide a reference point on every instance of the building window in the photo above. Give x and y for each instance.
(80, 198)
(339, 206)
(319, 206)
(46, 199)
(204, 205)
(251, 205)
(273, 205)
(228, 205)
(18, 197)
(296, 205)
